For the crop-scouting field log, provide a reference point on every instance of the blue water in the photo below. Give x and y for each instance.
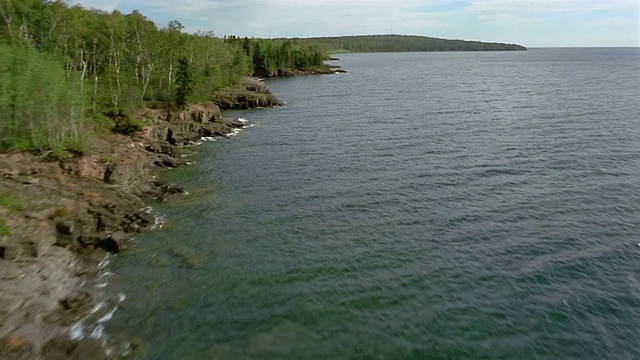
(421, 206)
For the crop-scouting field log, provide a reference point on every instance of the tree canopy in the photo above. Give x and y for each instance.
(104, 63)
(402, 43)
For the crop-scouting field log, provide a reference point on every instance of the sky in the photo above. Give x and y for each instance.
(532, 23)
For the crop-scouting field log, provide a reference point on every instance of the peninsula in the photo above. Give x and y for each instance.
(402, 43)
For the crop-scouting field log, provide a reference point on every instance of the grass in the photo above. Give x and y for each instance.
(4, 228)
(11, 203)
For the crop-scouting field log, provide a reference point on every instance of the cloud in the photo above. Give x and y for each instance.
(522, 21)
(308, 17)
(515, 11)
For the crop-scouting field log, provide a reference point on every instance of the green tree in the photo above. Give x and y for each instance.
(184, 83)
(40, 106)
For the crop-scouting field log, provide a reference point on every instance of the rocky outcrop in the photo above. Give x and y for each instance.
(250, 94)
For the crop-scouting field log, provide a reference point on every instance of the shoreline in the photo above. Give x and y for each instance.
(78, 210)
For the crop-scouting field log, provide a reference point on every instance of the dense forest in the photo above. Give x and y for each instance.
(67, 72)
(402, 43)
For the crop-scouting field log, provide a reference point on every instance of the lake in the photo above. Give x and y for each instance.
(467, 205)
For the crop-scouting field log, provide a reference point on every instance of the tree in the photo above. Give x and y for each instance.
(184, 83)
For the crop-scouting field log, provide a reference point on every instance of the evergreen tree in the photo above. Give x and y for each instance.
(184, 83)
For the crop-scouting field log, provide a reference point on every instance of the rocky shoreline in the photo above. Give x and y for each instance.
(73, 212)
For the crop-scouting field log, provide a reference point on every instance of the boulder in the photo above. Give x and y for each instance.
(10, 249)
(125, 173)
(164, 148)
(108, 244)
(168, 161)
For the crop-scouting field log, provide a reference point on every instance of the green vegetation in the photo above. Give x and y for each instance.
(41, 107)
(184, 83)
(67, 73)
(11, 203)
(277, 57)
(4, 228)
(401, 43)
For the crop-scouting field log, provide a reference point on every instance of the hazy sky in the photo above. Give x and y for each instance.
(533, 23)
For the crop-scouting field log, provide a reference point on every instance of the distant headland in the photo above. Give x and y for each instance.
(402, 43)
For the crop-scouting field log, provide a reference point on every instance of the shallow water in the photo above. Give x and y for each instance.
(423, 205)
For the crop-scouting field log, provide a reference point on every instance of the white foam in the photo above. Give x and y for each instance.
(159, 222)
(98, 307)
(77, 331)
(243, 120)
(104, 262)
(108, 315)
(204, 139)
(97, 333)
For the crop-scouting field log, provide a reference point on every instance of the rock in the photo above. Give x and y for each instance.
(65, 235)
(249, 94)
(171, 162)
(32, 248)
(10, 250)
(89, 349)
(124, 173)
(106, 221)
(108, 245)
(73, 308)
(66, 349)
(88, 239)
(120, 237)
(89, 166)
(164, 148)
(170, 138)
(146, 218)
(64, 227)
(10, 305)
(64, 240)
(16, 348)
(59, 349)
(200, 113)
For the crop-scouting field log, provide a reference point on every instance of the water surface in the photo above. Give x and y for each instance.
(421, 206)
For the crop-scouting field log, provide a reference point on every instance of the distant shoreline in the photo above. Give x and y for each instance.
(400, 43)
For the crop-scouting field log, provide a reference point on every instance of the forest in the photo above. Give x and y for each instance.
(402, 43)
(67, 73)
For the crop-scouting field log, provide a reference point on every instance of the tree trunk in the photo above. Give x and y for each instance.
(6, 15)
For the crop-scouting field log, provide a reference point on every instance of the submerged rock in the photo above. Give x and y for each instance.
(64, 349)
